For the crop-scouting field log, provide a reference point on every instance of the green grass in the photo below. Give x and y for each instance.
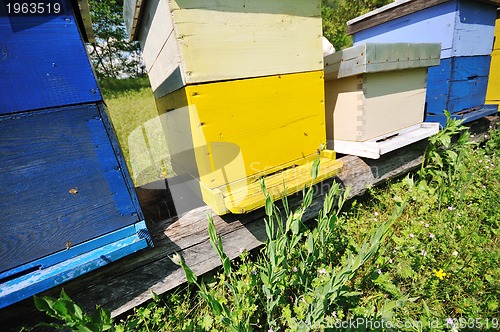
(132, 109)
(420, 253)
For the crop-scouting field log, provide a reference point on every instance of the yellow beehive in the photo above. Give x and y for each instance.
(493, 92)
(228, 134)
(239, 87)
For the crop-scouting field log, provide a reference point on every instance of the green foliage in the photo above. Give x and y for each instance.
(422, 252)
(132, 109)
(308, 268)
(115, 88)
(112, 54)
(72, 316)
(336, 13)
(443, 254)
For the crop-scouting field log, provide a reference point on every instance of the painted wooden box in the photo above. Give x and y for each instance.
(68, 205)
(239, 89)
(374, 91)
(465, 30)
(493, 92)
(195, 41)
(229, 134)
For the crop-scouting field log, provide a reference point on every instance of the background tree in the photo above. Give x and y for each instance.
(336, 13)
(112, 54)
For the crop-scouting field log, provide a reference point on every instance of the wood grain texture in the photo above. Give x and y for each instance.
(458, 83)
(467, 115)
(379, 57)
(388, 13)
(292, 180)
(84, 20)
(126, 284)
(464, 28)
(378, 146)
(188, 42)
(27, 285)
(131, 13)
(60, 167)
(44, 63)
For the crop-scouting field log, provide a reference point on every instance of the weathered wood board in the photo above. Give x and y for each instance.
(123, 285)
(493, 92)
(188, 42)
(380, 57)
(44, 156)
(465, 30)
(67, 204)
(376, 147)
(458, 84)
(44, 62)
(368, 86)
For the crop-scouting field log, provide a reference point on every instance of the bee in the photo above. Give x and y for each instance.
(322, 147)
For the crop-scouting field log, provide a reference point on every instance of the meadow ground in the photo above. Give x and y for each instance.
(418, 254)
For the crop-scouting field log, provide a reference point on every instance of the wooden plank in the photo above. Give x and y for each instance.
(378, 57)
(388, 13)
(376, 147)
(126, 284)
(474, 31)
(469, 67)
(250, 197)
(237, 43)
(393, 101)
(60, 166)
(27, 285)
(44, 63)
(496, 45)
(69, 253)
(343, 99)
(131, 15)
(83, 17)
(468, 115)
(464, 28)
(154, 32)
(400, 9)
(467, 94)
(457, 83)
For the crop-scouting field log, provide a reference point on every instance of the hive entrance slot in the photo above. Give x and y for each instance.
(20, 274)
(386, 138)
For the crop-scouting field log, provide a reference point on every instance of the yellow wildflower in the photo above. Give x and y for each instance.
(440, 274)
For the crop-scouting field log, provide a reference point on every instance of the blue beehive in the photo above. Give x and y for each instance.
(465, 29)
(67, 203)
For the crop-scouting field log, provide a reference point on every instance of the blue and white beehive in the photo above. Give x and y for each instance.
(67, 203)
(465, 29)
